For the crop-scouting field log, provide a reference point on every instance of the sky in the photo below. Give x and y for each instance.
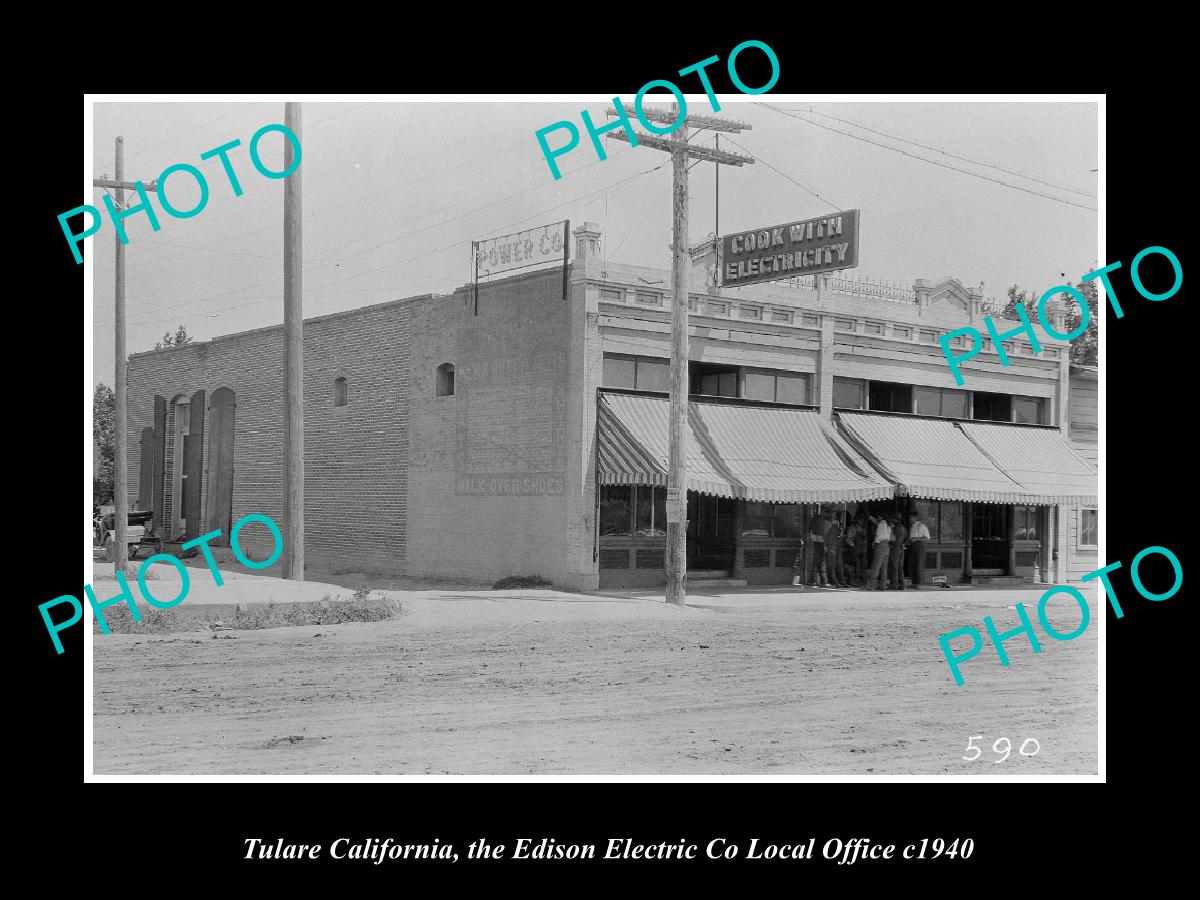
(394, 193)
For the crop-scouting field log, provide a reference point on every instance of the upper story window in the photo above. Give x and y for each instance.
(775, 387)
(641, 372)
(945, 402)
(714, 380)
(1029, 410)
(886, 396)
(445, 380)
(992, 407)
(849, 393)
(341, 394)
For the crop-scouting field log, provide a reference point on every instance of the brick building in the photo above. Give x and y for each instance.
(529, 436)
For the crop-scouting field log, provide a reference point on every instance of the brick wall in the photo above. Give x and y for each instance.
(488, 470)
(355, 456)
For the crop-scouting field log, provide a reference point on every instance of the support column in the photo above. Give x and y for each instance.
(1010, 524)
(824, 396)
(968, 564)
(739, 521)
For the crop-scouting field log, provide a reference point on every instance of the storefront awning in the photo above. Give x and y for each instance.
(1040, 459)
(986, 462)
(756, 453)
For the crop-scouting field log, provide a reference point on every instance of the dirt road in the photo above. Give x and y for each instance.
(538, 682)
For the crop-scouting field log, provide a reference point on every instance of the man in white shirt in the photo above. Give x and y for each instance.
(918, 534)
(877, 577)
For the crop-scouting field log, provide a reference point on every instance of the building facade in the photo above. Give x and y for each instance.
(522, 430)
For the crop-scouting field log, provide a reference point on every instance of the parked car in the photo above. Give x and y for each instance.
(139, 536)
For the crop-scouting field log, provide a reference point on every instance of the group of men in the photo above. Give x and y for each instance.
(871, 551)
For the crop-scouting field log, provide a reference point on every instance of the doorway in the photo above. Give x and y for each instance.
(710, 537)
(989, 539)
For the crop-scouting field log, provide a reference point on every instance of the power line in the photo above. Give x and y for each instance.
(338, 261)
(934, 162)
(978, 162)
(787, 176)
(189, 131)
(450, 246)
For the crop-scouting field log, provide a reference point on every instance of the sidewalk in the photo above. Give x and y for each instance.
(776, 596)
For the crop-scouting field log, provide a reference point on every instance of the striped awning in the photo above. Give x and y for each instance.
(776, 455)
(986, 462)
(1040, 459)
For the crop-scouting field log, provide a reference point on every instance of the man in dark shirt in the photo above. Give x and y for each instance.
(817, 532)
(896, 559)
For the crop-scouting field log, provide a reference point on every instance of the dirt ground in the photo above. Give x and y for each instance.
(521, 682)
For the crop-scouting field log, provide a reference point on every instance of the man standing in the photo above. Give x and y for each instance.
(851, 561)
(877, 577)
(862, 540)
(918, 534)
(898, 543)
(820, 527)
(833, 552)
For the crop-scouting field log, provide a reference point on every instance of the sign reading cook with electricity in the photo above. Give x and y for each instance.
(784, 251)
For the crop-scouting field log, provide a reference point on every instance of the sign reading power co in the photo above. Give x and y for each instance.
(785, 251)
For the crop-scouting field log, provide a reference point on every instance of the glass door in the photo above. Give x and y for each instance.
(710, 539)
(989, 538)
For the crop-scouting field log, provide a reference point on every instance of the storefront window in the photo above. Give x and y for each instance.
(789, 520)
(615, 509)
(757, 519)
(928, 510)
(1025, 523)
(651, 511)
(950, 523)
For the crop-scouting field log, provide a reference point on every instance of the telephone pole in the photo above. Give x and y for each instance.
(293, 360)
(675, 560)
(120, 464)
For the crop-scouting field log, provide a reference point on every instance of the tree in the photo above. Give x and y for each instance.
(103, 436)
(178, 339)
(1085, 349)
(1017, 298)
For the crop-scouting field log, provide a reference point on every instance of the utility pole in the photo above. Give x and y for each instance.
(675, 560)
(120, 457)
(293, 360)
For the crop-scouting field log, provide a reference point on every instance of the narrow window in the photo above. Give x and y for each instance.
(339, 392)
(1089, 522)
(445, 380)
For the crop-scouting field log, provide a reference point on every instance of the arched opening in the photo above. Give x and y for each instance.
(340, 392)
(445, 380)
